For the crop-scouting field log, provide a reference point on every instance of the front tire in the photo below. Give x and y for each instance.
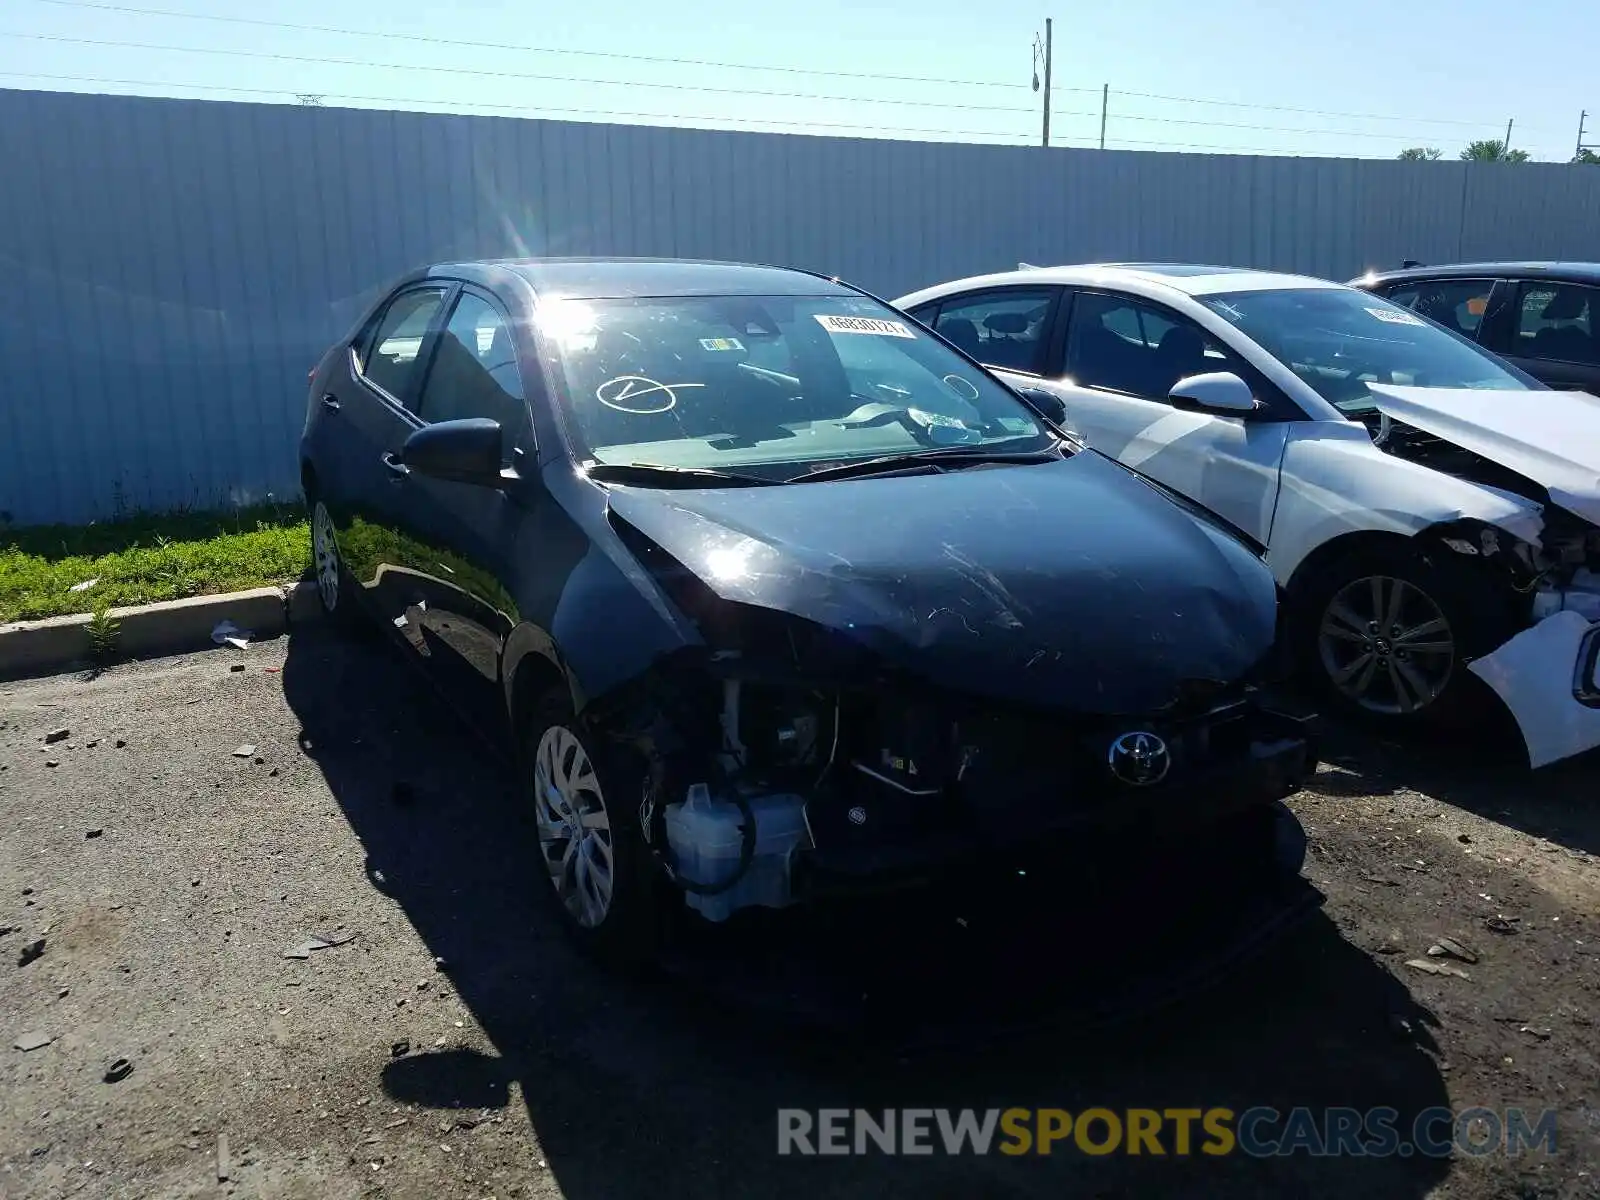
(1385, 634)
(584, 798)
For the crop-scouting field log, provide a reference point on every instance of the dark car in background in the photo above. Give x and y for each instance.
(1542, 316)
(776, 594)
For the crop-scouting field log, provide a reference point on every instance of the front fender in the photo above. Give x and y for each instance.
(1336, 482)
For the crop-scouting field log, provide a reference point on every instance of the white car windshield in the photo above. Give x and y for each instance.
(1339, 340)
(761, 383)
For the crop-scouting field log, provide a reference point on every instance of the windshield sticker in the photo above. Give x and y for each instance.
(1396, 316)
(835, 323)
(638, 396)
(721, 344)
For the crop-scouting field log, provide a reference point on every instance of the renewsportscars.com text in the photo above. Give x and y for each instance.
(1258, 1132)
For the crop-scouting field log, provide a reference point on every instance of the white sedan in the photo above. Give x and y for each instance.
(1431, 513)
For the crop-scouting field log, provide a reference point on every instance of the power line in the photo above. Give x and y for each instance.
(683, 87)
(601, 112)
(1397, 137)
(476, 45)
(1312, 112)
(480, 72)
(712, 63)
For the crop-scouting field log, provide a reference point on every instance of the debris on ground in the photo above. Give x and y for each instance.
(311, 944)
(33, 950)
(237, 667)
(52, 762)
(119, 1070)
(93, 833)
(228, 634)
(1500, 924)
(224, 1159)
(1537, 1031)
(34, 1041)
(245, 751)
(400, 1049)
(439, 963)
(1450, 948)
(85, 585)
(1434, 967)
(121, 743)
(57, 735)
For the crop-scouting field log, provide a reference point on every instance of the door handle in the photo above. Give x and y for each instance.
(330, 402)
(395, 467)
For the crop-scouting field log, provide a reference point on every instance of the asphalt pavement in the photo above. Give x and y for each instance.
(294, 946)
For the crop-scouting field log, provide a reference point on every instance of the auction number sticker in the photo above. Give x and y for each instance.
(1396, 316)
(836, 323)
(721, 344)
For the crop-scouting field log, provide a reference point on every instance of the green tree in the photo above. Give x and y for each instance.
(1492, 150)
(1586, 156)
(1420, 154)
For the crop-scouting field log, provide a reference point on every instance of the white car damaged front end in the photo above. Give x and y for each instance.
(1548, 443)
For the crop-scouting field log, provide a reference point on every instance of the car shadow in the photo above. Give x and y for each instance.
(1487, 775)
(656, 1084)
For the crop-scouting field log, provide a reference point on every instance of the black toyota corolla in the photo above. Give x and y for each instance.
(777, 595)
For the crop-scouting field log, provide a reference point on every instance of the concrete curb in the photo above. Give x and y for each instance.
(150, 630)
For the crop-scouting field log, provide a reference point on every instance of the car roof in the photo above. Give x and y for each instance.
(1568, 272)
(1189, 278)
(606, 278)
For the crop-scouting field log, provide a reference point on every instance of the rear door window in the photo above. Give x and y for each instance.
(392, 359)
(1557, 322)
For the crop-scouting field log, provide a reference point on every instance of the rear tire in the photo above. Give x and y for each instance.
(1385, 634)
(594, 866)
(336, 587)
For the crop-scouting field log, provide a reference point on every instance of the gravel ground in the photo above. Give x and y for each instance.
(169, 870)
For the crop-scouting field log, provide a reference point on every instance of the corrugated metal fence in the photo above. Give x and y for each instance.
(173, 267)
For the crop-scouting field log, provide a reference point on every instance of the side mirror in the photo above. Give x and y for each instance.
(1046, 403)
(1220, 392)
(466, 451)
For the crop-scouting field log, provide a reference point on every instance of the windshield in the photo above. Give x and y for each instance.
(1339, 340)
(771, 385)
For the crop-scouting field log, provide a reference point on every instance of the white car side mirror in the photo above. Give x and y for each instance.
(1216, 391)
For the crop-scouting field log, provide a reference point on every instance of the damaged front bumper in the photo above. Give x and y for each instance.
(1548, 677)
(1268, 757)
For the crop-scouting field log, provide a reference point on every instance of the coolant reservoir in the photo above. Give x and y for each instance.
(706, 835)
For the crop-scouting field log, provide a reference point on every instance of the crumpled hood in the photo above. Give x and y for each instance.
(1552, 438)
(1070, 584)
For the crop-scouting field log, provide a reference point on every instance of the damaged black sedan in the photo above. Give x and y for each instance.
(778, 595)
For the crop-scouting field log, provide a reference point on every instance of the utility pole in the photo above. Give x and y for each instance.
(1041, 55)
(1509, 123)
(1583, 118)
(1105, 96)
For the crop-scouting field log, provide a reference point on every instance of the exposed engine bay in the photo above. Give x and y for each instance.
(1560, 573)
(784, 763)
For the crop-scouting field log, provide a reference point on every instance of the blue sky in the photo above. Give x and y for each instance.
(1387, 75)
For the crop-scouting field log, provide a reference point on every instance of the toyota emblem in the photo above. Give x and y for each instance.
(1139, 759)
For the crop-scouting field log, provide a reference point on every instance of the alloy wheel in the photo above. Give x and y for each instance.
(574, 827)
(1386, 645)
(325, 549)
